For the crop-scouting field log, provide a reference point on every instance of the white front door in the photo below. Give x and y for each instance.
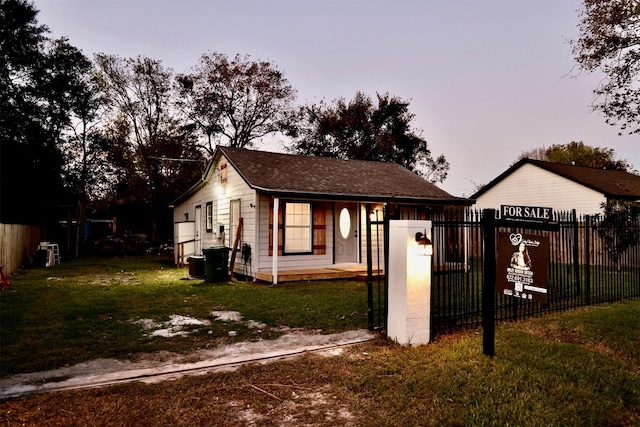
(346, 232)
(198, 241)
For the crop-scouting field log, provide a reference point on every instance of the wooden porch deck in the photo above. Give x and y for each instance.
(358, 272)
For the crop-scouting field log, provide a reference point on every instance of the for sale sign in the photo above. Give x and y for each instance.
(526, 213)
(522, 265)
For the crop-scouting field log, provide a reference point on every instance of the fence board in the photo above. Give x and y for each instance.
(16, 241)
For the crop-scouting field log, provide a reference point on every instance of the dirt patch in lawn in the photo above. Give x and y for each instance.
(178, 325)
(164, 365)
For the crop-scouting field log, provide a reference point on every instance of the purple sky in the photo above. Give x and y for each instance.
(486, 80)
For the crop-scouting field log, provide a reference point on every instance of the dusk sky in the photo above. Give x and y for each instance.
(486, 80)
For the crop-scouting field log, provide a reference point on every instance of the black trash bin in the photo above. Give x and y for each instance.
(40, 258)
(196, 266)
(216, 261)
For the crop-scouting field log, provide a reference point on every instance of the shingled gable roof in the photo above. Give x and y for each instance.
(288, 175)
(294, 175)
(614, 184)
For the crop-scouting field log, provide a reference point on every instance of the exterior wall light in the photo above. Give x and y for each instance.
(425, 244)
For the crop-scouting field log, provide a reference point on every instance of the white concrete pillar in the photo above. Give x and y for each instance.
(408, 321)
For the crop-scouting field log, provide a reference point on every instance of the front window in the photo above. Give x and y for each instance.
(297, 228)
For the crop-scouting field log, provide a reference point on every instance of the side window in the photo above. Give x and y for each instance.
(209, 216)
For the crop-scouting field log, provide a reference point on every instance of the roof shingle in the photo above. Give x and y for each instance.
(321, 176)
(614, 184)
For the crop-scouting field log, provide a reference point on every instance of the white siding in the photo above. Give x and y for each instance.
(254, 211)
(377, 233)
(298, 262)
(291, 262)
(221, 195)
(237, 189)
(531, 185)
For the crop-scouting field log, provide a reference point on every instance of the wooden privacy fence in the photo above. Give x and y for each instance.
(17, 240)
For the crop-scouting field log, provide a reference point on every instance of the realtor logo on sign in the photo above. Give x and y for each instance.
(522, 266)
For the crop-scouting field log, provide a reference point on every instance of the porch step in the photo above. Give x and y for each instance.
(376, 275)
(313, 274)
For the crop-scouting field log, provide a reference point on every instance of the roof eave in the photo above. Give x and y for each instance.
(363, 197)
(195, 187)
(499, 178)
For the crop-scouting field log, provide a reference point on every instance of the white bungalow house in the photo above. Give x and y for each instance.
(558, 186)
(320, 205)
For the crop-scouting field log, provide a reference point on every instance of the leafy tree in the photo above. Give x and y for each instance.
(142, 132)
(21, 51)
(609, 34)
(38, 79)
(619, 228)
(66, 97)
(87, 173)
(360, 129)
(583, 155)
(235, 101)
(579, 154)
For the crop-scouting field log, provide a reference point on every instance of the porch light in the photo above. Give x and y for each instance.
(424, 243)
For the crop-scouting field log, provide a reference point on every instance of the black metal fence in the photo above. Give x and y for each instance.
(591, 261)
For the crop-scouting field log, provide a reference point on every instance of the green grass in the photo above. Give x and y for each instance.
(572, 369)
(460, 293)
(578, 368)
(86, 309)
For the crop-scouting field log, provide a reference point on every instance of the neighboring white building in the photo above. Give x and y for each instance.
(558, 186)
(321, 203)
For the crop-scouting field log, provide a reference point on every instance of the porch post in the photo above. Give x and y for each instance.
(274, 259)
(369, 269)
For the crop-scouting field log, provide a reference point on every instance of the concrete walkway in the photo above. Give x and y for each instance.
(168, 366)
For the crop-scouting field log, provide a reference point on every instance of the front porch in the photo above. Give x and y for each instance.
(337, 271)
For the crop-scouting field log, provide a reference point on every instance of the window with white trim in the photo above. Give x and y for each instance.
(209, 216)
(297, 228)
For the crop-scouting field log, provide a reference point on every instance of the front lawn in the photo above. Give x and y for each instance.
(121, 307)
(578, 368)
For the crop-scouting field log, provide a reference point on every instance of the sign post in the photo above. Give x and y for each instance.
(518, 265)
(488, 282)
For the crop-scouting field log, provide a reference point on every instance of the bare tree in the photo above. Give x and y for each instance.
(145, 132)
(87, 174)
(237, 100)
(539, 153)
